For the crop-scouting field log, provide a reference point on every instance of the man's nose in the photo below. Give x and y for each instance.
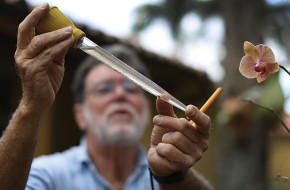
(119, 90)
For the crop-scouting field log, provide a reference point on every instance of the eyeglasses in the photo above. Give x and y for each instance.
(107, 87)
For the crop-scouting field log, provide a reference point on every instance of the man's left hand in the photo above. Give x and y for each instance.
(175, 143)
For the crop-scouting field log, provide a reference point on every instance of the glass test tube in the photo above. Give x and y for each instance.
(102, 55)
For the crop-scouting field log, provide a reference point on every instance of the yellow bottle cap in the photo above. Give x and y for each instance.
(55, 20)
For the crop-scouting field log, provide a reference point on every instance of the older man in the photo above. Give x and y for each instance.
(110, 110)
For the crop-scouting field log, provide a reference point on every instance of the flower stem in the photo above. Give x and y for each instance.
(270, 110)
(282, 67)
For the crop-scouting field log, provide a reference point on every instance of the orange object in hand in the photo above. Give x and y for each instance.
(210, 101)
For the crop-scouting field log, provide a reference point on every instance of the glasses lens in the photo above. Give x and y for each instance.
(103, 88)
(108, 87)
(131, 87)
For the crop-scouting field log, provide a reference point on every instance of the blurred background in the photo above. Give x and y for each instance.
(191, 47)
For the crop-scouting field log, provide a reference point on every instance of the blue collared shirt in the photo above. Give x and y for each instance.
(74, 170)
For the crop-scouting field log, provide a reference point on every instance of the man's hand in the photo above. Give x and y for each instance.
(40, 60)
(175, 143)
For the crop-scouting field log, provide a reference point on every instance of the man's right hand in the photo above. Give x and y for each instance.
(40, 60)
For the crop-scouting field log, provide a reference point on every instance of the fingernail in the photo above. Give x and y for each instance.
(43, 6)
(157, 120)
(67, 29)
(191, 111)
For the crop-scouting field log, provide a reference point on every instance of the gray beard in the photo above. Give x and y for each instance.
(110, 133)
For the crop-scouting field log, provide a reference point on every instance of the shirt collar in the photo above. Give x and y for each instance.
(83, 155)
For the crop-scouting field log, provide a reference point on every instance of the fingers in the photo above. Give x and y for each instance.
(56, 53)
(60, 39)
(177, 143)
(177, 140)
(164, 108)
(201, 120)
(166, 159)
(185, 136)
(158, 164)
(177, 160)
(176, 124)
(37, 57)
(26, 27)
(61, 50)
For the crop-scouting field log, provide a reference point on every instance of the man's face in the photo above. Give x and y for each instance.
(115, 109)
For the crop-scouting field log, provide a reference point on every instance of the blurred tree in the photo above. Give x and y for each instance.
(243, 136)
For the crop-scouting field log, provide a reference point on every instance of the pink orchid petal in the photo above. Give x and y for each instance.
(249, 49)
(265, 54)
(272, 67)
(261, 78)
(247, 67)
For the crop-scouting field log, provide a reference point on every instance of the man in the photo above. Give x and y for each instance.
(110, 110)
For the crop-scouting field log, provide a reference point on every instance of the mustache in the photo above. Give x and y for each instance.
(121, 107)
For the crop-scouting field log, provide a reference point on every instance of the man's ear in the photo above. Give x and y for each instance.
(79, 116)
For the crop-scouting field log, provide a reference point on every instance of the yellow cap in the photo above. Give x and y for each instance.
(55, 20)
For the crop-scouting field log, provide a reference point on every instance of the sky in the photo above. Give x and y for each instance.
(115, 18)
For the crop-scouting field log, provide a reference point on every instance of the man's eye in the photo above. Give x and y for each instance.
(131, 87)
(103, 89)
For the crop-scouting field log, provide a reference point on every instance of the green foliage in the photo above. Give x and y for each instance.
(272, 94)
(172, 12)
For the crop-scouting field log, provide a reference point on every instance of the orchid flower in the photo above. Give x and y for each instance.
(259, 62)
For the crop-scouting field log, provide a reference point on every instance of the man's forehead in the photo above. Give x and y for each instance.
(102, 72)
